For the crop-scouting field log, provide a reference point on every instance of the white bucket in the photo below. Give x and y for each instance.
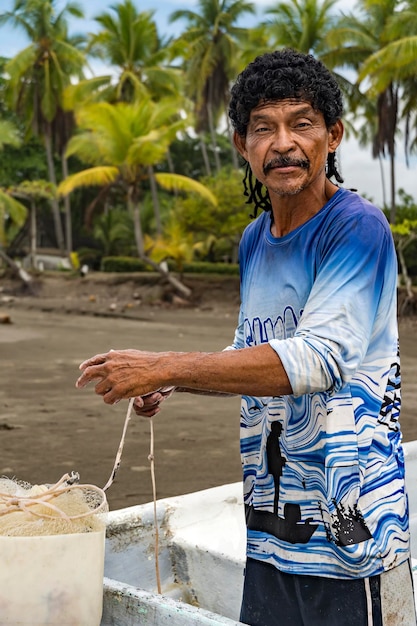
(52, 580)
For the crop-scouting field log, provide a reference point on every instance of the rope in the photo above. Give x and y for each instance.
(121, 446)
(13, 502)
(151, 459)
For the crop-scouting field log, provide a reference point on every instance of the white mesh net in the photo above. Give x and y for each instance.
(64, 508)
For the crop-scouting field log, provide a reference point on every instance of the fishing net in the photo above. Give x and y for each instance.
(63, 508)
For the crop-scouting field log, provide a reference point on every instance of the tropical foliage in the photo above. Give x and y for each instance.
(127, 145)
(121, 142)
(38, 75)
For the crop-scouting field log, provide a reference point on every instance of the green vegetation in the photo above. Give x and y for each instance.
(141, 157)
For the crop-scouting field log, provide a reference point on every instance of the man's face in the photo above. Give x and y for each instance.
(287, 144)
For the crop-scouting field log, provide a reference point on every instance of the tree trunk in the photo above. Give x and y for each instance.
(171, 169)
(381, 169)
(134, 208)
(235, 158)
(393, 209)
(137, 227)
(33, 234)
(54, 202)
(213, 138)
(67, 208)
(170, 162)
(392, 127)
(235, 250)
(155, 199)
(206, 160)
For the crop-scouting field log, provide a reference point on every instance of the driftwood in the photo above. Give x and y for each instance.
(17, 270)
(173, 280)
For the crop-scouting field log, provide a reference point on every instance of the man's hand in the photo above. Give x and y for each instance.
(123, 374)
(148, 405)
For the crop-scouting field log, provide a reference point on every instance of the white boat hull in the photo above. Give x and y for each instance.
(201, 557)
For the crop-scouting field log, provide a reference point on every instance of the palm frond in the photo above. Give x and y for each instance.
(9, 207)
(176, 182)
(94, 176)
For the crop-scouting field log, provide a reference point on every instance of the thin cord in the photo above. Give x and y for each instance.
(151, 458)
(121, 446)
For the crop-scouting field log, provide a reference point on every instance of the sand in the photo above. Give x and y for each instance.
(49, 428)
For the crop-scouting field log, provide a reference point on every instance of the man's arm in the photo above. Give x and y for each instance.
(120, 374)
(149, 405)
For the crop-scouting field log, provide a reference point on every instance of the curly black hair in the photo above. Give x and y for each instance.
(280, 75)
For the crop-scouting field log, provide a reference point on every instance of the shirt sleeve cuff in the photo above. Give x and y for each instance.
(304, 366)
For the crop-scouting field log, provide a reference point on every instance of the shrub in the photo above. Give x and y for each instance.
(204, 267)
(124, 264)
(133, 264)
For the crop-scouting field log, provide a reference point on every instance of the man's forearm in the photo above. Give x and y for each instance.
(122, 374)
(252, 371)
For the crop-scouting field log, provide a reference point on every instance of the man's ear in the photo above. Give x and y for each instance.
(240, 144)
(335, 135)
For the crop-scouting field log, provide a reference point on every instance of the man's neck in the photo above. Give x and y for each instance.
(290, 212)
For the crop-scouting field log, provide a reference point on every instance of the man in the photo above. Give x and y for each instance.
(315, 358)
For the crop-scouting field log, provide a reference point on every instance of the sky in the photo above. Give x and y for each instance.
(358, 168)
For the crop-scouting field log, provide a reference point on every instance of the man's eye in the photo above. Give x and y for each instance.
(261, 129)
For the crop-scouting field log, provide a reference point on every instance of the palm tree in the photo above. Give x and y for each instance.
(398, 59)
(113, 229)
(256, 42)
(355, 39)
(129, 41)
(301, 24)
(9, 208)
(12, 212)
(33, 192)
(409, 114)
(39, 73)
(9, 134)
(210, 53)
(120, 142)
(399, 54)
(305, 25)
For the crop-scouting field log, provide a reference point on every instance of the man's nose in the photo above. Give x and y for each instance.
(282, 140)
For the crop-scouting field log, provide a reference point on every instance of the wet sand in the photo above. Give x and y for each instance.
(48, 427)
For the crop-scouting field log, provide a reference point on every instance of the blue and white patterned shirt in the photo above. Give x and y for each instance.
(323, 468)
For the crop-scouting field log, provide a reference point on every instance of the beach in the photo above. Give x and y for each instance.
(48, 427)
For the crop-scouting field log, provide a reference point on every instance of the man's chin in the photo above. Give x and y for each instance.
(287, 191)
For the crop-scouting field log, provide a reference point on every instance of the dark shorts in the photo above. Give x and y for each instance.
(272, 598)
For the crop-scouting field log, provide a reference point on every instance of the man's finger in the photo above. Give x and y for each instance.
(98, 359)
(138, 402)
(148, 411)
(85, 378)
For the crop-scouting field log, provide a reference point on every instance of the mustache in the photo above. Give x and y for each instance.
(285, 161)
